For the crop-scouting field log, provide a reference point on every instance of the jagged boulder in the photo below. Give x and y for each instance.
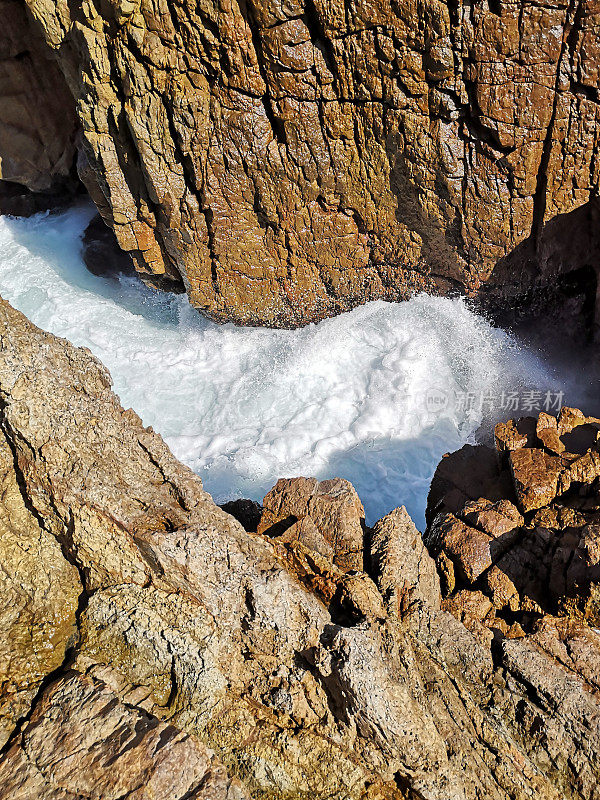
(399, 561)
(326, 516)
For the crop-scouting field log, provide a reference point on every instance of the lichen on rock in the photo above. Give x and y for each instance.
(288, 161)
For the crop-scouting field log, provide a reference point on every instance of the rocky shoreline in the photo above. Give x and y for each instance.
(281, 163)
(156, 647)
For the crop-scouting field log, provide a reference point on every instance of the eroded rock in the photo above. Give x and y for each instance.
(400, 563)
(288, 161)
(101, 253)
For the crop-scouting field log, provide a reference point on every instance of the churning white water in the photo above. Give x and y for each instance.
(376, 395)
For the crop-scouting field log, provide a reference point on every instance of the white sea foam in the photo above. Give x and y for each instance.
(369, 395)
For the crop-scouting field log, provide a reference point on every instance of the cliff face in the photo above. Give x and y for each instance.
(144, 625)
(288, 160)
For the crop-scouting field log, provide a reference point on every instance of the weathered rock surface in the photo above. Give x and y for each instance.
(520, 538)
(39, 595)
(290, 160)
(325, 516)
(81, 742)
(306, 679)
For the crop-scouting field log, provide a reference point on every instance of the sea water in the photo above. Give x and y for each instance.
(376, 395)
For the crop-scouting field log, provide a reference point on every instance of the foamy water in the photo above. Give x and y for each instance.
(375, 395)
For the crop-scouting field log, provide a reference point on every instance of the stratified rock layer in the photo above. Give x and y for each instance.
(307, 678)
(290, 160)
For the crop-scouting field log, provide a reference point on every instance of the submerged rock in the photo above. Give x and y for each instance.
(288, 161)
(304, 676)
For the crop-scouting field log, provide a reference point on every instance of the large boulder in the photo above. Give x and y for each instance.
(288, 161)
(404, 572)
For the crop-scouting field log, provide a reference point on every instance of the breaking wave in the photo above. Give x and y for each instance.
(376, 395)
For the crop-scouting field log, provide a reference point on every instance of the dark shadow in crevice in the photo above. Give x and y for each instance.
(17, 200)
(553, 279)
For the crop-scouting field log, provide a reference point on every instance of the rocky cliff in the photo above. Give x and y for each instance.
(288, 160)
(154, 648)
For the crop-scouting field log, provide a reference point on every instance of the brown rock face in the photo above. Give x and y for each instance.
(290, 160)
(172, 629)
(535, 550)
